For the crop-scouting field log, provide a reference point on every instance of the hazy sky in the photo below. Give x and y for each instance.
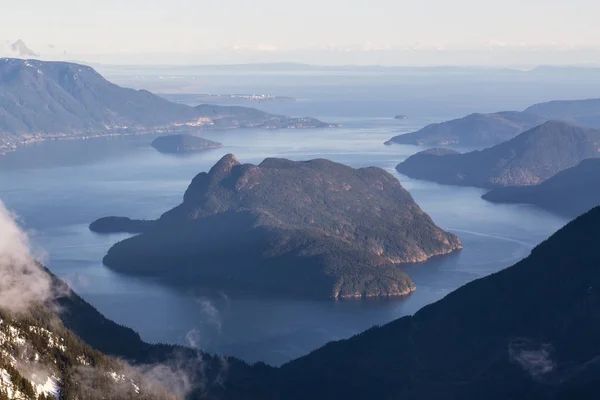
(163, 26)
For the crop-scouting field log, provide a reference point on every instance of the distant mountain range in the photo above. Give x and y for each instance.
(314, 228)
(40, 100)
(528, 159)
(482, 130)
(570, 192)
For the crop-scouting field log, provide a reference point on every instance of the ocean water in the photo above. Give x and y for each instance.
(57, 188)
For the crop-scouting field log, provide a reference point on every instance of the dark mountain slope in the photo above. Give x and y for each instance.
(61, 350)
(474, 130)
(40, 360)
(103, 334)
(313, 228)
(528, 332)
(528, 159)
(211, 377)
(570, 192)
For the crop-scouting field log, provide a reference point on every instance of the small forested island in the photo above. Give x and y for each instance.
(119, 225)
(313, 229)
(182, 144)
(528, 159)
(569, 193)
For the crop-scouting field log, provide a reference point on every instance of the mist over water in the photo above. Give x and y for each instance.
(58, 188)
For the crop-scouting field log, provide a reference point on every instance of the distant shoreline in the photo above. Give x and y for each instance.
(17, 146)
(242, 98)
(14, 146)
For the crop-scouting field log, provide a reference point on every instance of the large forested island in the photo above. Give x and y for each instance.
(570, 192)
(314, 228)
(42, 100)
(528, 159)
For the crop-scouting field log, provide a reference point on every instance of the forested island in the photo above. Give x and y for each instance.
(314, 228)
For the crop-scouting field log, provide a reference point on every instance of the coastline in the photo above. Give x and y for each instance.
(11, 148)
(8, 146)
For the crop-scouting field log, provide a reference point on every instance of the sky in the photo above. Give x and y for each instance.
(279, 29)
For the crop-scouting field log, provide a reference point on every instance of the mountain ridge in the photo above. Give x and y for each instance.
(473, 130)
(528, 159)
(585, 112)
(570, 192)
(483, 130)
(53, 100)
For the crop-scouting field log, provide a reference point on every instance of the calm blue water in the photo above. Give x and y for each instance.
(58, 188)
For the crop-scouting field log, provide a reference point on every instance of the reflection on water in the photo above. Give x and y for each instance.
(58, 188)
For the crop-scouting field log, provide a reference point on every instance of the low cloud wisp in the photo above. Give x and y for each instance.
(23, 282)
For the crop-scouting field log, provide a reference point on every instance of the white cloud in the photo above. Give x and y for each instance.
(534, 358)
(22, 281)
